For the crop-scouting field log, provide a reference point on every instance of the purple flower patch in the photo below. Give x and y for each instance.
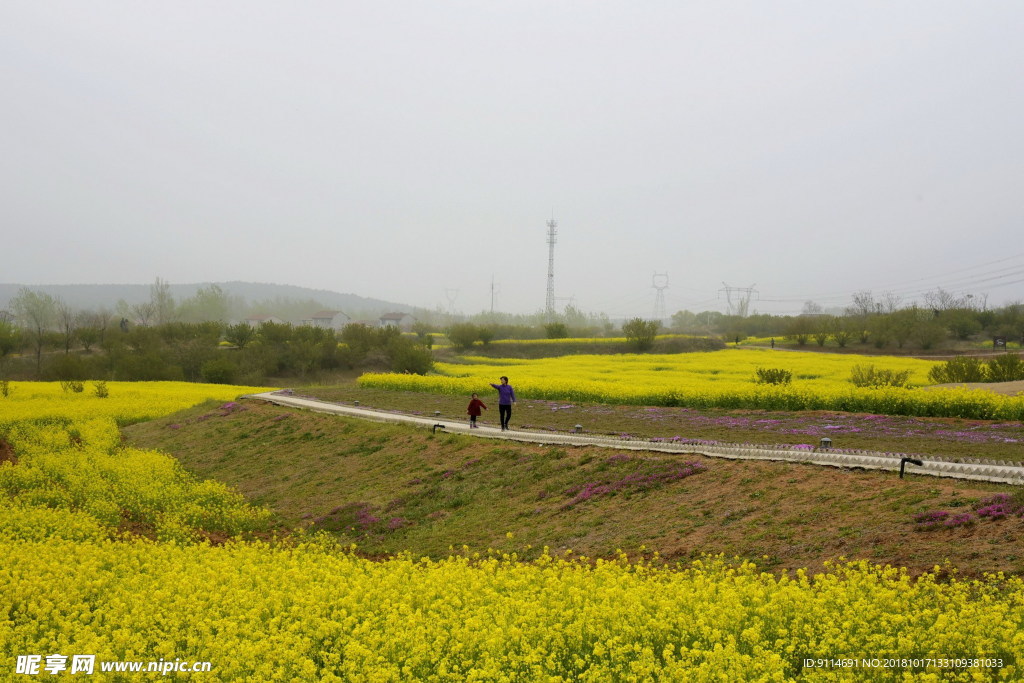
(931, 520)
(231, 407)
(652, 475)
(998, 506)
(962, 519)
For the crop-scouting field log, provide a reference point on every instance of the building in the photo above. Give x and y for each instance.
(328, 320)
(402, 321)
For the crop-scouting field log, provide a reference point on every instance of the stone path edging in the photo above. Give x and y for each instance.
(994, 471)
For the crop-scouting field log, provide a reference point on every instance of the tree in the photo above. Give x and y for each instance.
(409, 357)
(812, 308)
(240, 334)
(36, 313)
(961, 322)
(556, 330)
(863, 309)
(91, 327)
(208, 303)
(67, 322)
(10, 339)
(799, 329)
(162, 302)
(463, 335)
(822, 329)
(686, 322)
(640, 333)
(941, 300)
(841, 332)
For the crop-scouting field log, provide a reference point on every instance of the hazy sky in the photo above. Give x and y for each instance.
(411, 151)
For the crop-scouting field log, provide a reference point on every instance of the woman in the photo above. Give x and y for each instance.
(506, 397)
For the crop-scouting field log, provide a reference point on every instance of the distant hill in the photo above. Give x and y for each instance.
(106, 296)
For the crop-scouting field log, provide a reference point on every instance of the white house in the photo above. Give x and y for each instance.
(328, 320)
(402, 321)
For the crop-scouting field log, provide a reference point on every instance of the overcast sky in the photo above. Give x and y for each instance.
(413, 151)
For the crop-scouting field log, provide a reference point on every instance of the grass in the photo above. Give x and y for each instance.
(390, 488)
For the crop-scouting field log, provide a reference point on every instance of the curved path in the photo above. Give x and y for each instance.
(983, 470)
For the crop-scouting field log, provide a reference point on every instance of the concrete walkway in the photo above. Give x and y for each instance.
(1003, 472)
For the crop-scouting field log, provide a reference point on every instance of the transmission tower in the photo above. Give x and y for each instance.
(738, 299)
(659, 282)
(549, 307)
(495, 289)
(451, 295)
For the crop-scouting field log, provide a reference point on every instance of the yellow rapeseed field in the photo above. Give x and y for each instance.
(715, 379)
(74, 582)
(126, 403)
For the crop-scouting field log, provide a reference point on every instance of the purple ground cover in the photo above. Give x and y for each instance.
(652, 474)
(998, 506)
(834, 424)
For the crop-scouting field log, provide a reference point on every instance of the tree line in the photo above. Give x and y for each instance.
(58, 343)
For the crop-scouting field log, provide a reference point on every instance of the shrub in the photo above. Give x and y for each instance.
(640, 333)
(462, 335)
(72, 386)
(959, 369)
(870, 376)
(556, 330)
(219, 371)
(408, 356)
(100, 388)
(1006, 368)
(772, 376)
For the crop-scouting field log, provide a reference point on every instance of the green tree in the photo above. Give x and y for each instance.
(36, 312)
(408, 356)
(799, 329)
(10, 340)
(208, 303)
(463, 335)
(162, 302)
(842, 331)
(240, 334)
(91, 327)
(556, 330)
(640, 333)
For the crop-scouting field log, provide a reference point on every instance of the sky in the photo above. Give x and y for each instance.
(414, 151)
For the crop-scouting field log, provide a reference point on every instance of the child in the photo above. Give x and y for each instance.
(474, 410)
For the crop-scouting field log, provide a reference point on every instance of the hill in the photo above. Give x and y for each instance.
(92, 296)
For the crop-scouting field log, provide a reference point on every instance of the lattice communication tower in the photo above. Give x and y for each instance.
(549, 307)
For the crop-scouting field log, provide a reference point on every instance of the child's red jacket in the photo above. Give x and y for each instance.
(474, 407)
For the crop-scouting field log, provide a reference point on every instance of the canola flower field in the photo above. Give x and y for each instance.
(714, 379)
(78, 579)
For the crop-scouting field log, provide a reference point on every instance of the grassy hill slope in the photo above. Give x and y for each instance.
(394, 488)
